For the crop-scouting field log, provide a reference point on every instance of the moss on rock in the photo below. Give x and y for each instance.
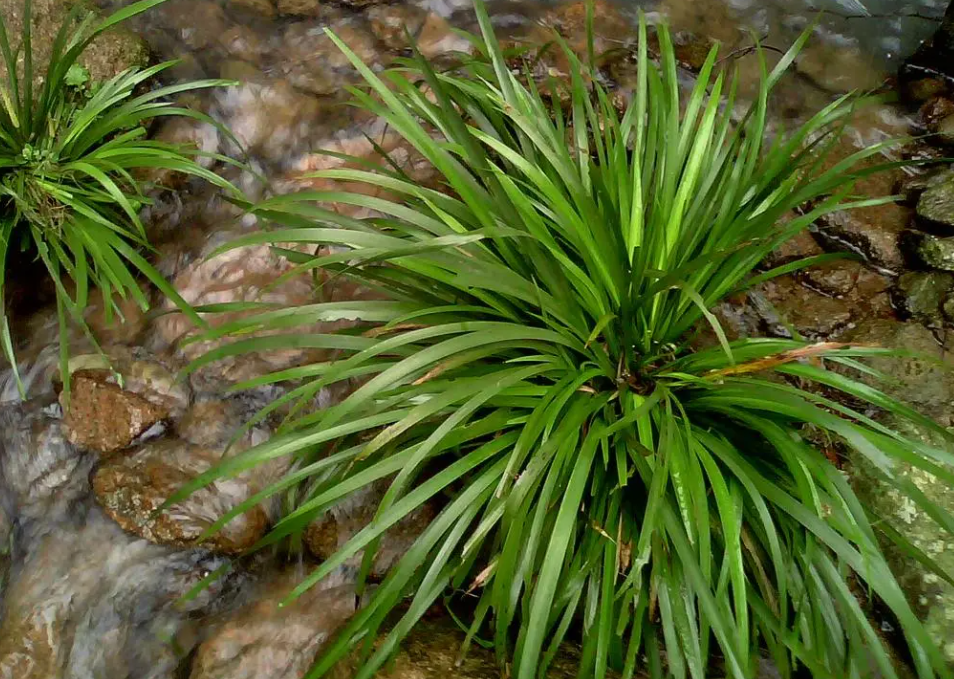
(932, 597)
(111, 53)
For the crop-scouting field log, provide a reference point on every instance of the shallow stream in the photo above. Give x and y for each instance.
(84, 596)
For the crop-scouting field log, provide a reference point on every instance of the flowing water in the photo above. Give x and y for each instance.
(82, 598)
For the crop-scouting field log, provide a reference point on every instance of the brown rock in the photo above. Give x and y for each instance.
(610, 28)
(872, 231)
(243, 43)
(308, 8)
(389, 23)
(334, 528)
(800, 246)
(437, 38)
(263, 7)
(132, 487)
(102, 416)
(266, 641)
(934, 110)
(812, 314)
(199, 23)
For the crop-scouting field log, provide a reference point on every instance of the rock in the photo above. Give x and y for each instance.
(431, 651)
(609, 25)
(343, 521)
(263, 8)
(198, 23)
(313, 63)
(111, 53)
(131, 487)
(102, 416)
(920, 295)
(241, 42)
(438, 38)
(926, 384)
(106, 417)
(813, 315)
(41, 474)
(86, 600)
(306, 8)
(945, 130)
(838, 68)
(872, 232)
(931, 597)
(934, 111)
(269, 119)
(929, 71)
(801, 246)
(937, 253)
(936, 205)
(263, 640)
(391, 23)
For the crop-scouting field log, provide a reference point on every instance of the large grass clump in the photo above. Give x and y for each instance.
(74, 164)
(534, 371)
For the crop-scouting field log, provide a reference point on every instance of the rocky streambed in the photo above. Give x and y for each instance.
(93, 581)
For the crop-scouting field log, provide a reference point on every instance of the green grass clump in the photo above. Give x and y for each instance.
(533, 373)
(73, 156)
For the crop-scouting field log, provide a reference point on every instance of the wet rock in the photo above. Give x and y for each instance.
(241, 42)
(610, 27)
(936, 205)
(86, 600)
(929, 71)
(102, 416)
(264, 8)
(198, 23)
(265, 640)
(870, 232)
(343, 521)
(389, 23)
(41, 474)
(239, 275)
(801, 246)
(269, 119)
(131, 487)
(839, 278)
(838, 68)
(934, 111)
(945, 130)
(437, 38)
(926, 384)
(432, 649)
(921, 294)
(307, 8)
(935, 252)
(811, 314)
(313, 63)
(194, 134)
(931, 597)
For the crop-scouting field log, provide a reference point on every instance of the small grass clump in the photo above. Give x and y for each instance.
(533, 372)
(73, 160)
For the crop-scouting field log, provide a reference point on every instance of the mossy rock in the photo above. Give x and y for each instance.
(936, 204)
(112, 52)
(931, 597)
